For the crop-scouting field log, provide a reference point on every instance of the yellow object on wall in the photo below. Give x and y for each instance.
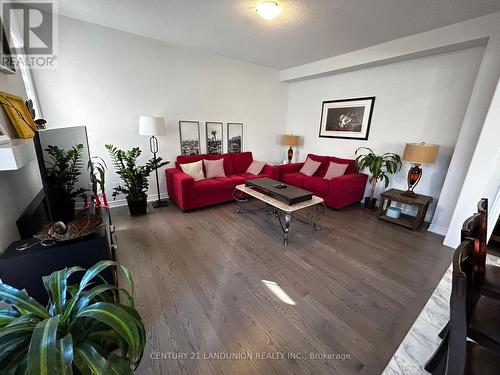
(19, 115)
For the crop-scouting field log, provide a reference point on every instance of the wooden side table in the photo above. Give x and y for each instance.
(394, 195)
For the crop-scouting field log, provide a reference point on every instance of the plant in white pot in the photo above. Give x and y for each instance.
(134, 176)
(379, 166)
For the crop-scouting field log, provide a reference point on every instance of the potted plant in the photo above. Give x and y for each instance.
(379, 166)
(97, 170)
(82, 330)
(134, 176)
(63, 169)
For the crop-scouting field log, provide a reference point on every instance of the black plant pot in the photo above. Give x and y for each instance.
(370, 203)
(137, 206)
(63, 209)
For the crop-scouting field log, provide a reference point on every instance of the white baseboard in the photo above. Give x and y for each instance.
(438, 229)
(123, 201)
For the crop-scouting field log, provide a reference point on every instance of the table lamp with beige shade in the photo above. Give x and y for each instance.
(418, 154)
(290, 140)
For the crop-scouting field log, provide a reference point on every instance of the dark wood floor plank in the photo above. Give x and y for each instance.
(357, 286)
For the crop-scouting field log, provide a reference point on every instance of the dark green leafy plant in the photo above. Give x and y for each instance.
(63, 170)
(81, 331)
(134, 176)
(378, 165)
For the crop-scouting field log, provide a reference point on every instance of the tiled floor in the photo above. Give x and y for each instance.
(422, 339)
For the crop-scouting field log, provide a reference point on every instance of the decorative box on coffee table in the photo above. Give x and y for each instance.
(394, 195)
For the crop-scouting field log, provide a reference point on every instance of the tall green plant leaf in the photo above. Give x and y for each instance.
(116, 317)
(64, 349)
(7, 316)
(101, 266)
(42, 355)
(17, 328)
(118, 366)
(8, 344)
(57, 289)
(88, 360)
(14, 296)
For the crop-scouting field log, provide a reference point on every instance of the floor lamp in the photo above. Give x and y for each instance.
(153, 126)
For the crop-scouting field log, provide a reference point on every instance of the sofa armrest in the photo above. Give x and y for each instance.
(347, 189)
(289, 168)
(271, 171)
(180, 187)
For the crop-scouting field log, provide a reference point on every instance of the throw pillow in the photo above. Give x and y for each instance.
(214, 168)
(310, 167)
(335, 170)
(256, 167)
(195, 170)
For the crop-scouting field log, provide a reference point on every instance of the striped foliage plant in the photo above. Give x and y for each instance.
(82, 330)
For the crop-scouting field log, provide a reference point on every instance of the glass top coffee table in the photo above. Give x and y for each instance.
(283, 201)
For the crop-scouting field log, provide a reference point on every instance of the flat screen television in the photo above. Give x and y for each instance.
(49, 144)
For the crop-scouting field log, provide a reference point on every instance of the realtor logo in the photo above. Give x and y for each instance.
(29, 29)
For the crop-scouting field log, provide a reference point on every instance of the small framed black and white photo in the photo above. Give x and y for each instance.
(347, 118)
(189, 132)
(214, 137)
(234, 137)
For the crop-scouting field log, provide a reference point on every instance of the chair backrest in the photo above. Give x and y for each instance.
(460, 307)
(482, 209)
(475, 228)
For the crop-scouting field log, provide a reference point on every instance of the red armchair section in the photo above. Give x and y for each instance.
(189, 194)
(337, 192)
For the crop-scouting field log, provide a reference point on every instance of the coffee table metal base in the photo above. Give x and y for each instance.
(313, 213)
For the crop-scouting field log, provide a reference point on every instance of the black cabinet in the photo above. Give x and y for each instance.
(24, 269)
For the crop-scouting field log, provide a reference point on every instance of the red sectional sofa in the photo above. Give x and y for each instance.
(337, 192)
(189, 194)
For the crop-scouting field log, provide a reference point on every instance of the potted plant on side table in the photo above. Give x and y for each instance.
(379, 166)
(134, 176)
(63, 169)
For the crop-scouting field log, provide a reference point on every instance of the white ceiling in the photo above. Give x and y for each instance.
(306, 30)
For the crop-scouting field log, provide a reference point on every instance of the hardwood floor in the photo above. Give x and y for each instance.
(209, 283)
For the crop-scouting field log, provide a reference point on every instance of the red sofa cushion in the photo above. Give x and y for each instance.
(241, 161)
(318, 185)
(324, 160)
(351, 164)
(249, 176)
(231, 181)
(295, 179)
(208, 186)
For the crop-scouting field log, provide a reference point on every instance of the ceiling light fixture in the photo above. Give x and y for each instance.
(268, 10)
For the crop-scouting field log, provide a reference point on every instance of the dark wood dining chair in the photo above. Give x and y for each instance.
(482, 311)
(465, 357)
(486, 276)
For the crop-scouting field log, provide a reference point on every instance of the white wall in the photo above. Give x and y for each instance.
(459, 189)
(17, 188)
(423, 99)
(106, 78)
(483, 176)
